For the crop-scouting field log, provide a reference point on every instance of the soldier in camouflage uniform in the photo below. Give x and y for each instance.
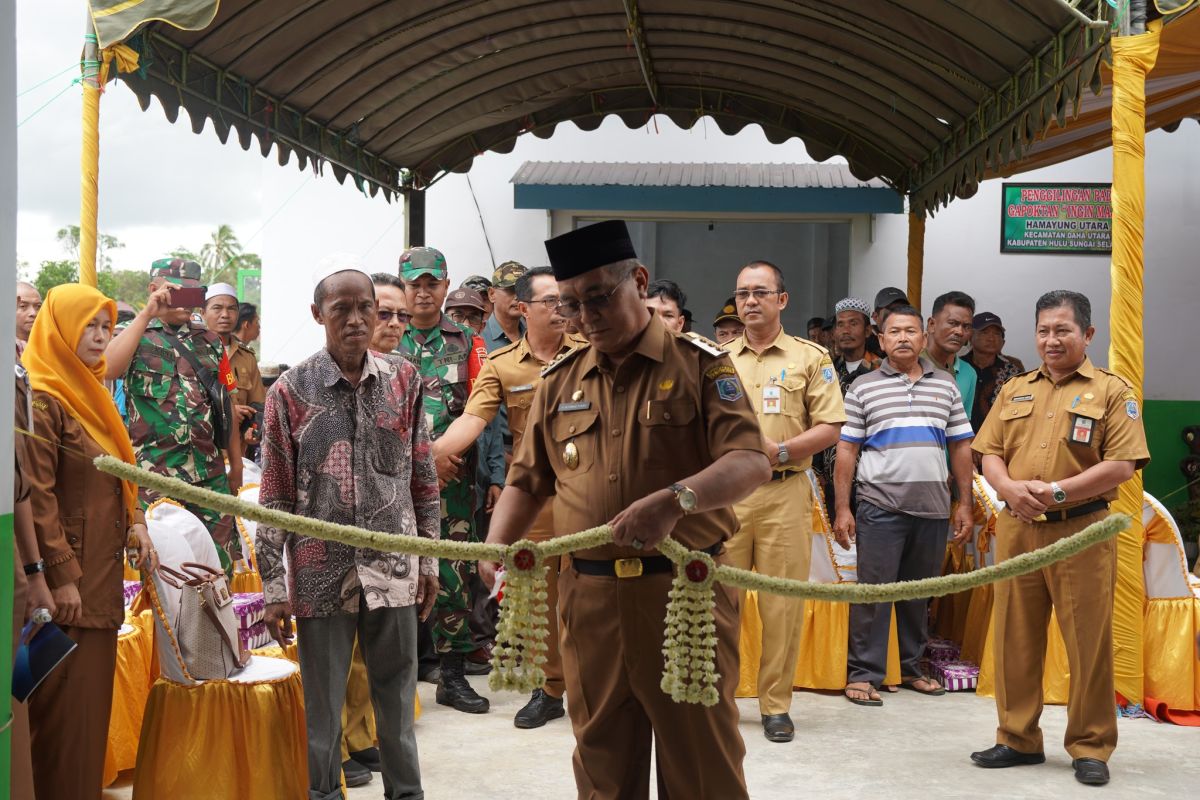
(171, 414)
(441, 350)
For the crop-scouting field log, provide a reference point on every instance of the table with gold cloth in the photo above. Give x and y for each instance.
(134, 676)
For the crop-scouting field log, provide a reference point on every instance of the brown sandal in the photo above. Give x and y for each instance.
(911, 683)
(872, 698)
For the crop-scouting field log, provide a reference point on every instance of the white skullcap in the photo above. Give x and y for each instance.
(219, 289)
(337, 262)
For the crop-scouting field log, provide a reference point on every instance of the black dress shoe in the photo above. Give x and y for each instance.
(778, 727)
(1091, 771)
(540, 709)
(1001, 755)
(369, 758)
(355, 773)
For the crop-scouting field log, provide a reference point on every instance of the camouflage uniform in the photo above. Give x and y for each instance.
(170, 413)
(441, 354)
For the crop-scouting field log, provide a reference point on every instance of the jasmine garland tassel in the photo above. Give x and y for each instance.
(519, 653)
(690, 639)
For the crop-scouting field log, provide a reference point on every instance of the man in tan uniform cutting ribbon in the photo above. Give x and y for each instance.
(649, 431)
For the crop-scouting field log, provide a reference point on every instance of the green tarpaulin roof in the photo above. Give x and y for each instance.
(927, 95)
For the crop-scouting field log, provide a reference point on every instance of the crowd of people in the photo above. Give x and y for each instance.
(545, 401)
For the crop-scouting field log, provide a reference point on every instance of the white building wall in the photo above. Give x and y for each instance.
(962, 251)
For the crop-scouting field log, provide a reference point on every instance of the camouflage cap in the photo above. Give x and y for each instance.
(728, 311)
(478, 283)
(418, 261)
(180, 270)
(505, 276)
(465, 298)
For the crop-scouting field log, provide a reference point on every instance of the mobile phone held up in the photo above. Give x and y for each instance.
(187, 297)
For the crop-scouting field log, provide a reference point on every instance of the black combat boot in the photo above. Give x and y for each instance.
(453, 689)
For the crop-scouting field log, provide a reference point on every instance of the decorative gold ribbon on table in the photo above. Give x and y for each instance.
(690, 645)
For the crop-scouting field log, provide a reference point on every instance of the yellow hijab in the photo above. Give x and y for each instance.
(55, 369)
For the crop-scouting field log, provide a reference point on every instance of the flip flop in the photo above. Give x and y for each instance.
(868, 691)
(911, 685)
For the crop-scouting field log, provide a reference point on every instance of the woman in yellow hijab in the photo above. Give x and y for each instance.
(84, 520)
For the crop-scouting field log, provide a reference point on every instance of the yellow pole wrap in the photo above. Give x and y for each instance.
(1133, 57)
(916, 258)
(89, 160)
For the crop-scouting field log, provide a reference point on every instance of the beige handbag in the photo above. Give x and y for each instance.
(206, 631)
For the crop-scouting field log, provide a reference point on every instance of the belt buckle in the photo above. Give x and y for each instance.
(627, 567)
(1040, 518)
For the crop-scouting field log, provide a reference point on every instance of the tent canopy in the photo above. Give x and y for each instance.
(927, 95)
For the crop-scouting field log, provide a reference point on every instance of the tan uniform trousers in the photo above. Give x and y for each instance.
(1080, 590)
(612, 635)
(68, 718)
(776, 539)
(543, 529)
(358, 717)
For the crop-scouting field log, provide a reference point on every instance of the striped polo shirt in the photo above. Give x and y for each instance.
(903, 427)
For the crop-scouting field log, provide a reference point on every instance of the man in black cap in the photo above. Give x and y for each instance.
(994, 368)
(889, 297)
(649, 431)
(727, 325)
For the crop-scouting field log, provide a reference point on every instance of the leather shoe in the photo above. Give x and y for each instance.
(479, 662)
(778, 727)
(1091, 771)
(1001, 755)
(355, 773)
(540, 709)
(369, 758)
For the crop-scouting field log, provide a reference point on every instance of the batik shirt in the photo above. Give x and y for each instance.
(170, 413)
(357, 455)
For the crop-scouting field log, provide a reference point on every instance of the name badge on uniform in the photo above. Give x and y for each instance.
(578, 405)
(528, 387)
(1081, 429)
(771, 399)
(1022, 398)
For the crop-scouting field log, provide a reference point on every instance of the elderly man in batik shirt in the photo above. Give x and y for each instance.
(345, 441)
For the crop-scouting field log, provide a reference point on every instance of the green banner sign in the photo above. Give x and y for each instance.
(1056, 218)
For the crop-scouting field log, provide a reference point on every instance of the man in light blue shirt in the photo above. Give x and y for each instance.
(949, 330)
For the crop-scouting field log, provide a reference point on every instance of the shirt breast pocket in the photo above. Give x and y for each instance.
(792, 397)
(1085, 427)
(576, 438)
(518, 404)
(669, 437)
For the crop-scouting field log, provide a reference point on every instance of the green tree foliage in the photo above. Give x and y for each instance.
(219, 256)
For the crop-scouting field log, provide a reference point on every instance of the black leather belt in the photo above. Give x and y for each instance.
(631, 567)
(1064, 514)
(783, 474)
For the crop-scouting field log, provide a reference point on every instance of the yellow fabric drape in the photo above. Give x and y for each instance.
(916, 258)
(1133, 57)
(131, 688)
(1172, 671)
(223, 739)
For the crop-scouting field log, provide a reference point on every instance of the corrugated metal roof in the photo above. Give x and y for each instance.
(744, 176)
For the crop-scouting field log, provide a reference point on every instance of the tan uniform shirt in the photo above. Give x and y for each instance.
(244, 363)
(808, 391)
(1047, 432)
(509, 376)
(671, 408)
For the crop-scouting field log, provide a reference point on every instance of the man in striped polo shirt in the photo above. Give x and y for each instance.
(903, 417)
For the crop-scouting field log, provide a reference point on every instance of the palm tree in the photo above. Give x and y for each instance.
(219, 256)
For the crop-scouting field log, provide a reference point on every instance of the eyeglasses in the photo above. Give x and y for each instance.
(465, 317)
(757, 294)
(550, 303)
(570, 309)
(386, 315)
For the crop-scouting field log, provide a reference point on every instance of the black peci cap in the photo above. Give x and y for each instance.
(584, 249)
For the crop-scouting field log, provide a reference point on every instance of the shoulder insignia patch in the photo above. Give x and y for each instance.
(41, 405)
(707, 345)
(562, 359)
(729, 388)
(717, 370)
(827, 374)
(1131, 408)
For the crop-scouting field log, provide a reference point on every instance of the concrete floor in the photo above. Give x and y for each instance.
(913, 747)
